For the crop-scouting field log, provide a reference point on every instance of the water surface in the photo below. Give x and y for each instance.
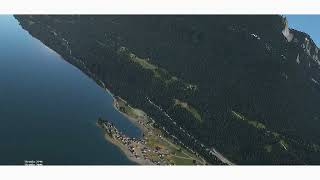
(48, 108)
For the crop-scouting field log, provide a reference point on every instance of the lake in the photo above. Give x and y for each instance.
(49, 108)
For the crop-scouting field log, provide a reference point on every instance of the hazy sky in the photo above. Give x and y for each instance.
(309, 24)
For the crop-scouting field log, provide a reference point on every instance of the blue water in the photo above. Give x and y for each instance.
(48, 108)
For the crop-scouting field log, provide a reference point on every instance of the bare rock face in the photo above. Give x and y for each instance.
(286, 33)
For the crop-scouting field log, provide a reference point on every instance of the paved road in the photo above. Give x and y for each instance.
(221, 157)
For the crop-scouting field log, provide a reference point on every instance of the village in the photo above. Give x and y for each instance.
(137, 148)
(150, 149)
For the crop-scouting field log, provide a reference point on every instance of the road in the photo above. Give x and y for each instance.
(221, 157)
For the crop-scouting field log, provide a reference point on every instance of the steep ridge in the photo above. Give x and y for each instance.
(247, 86)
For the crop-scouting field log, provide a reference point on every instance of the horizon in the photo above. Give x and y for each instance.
(307, 24)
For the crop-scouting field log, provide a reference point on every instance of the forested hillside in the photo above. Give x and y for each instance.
(246, 86)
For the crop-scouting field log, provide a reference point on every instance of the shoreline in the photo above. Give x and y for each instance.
(126, 152)
(133, 120)
(123, 149)
(115, 106)
(152, 147)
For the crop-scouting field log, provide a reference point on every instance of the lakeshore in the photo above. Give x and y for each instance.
(153, 148)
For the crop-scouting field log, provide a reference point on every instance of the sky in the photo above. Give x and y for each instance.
(309, 24)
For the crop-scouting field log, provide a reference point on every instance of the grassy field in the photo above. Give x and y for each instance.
(145, 64)
(253, 123)
(189, 108)
(175, 154)
(281, 140)
(182, 161)
(127, 109)
(268, 148)
(158, 72)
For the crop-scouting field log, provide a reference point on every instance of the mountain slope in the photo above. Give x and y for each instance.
(246, 86)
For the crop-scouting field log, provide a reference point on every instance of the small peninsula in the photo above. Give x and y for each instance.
(154, 147)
